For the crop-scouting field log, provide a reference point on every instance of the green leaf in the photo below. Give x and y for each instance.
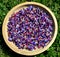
(58, 54)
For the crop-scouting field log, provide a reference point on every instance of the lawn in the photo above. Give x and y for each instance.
(6, 5)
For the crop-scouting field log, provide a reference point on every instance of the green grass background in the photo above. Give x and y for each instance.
(6, 5)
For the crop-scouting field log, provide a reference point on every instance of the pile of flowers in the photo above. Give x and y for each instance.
(30, 28)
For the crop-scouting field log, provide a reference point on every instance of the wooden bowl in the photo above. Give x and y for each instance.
(24, 51)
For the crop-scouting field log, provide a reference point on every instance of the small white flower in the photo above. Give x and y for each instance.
(44, 23)
(17, 25)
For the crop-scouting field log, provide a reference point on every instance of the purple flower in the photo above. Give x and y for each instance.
(10, 39)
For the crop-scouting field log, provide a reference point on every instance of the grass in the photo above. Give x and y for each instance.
(6, 5)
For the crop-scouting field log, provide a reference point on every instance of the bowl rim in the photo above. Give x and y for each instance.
(32, 52)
